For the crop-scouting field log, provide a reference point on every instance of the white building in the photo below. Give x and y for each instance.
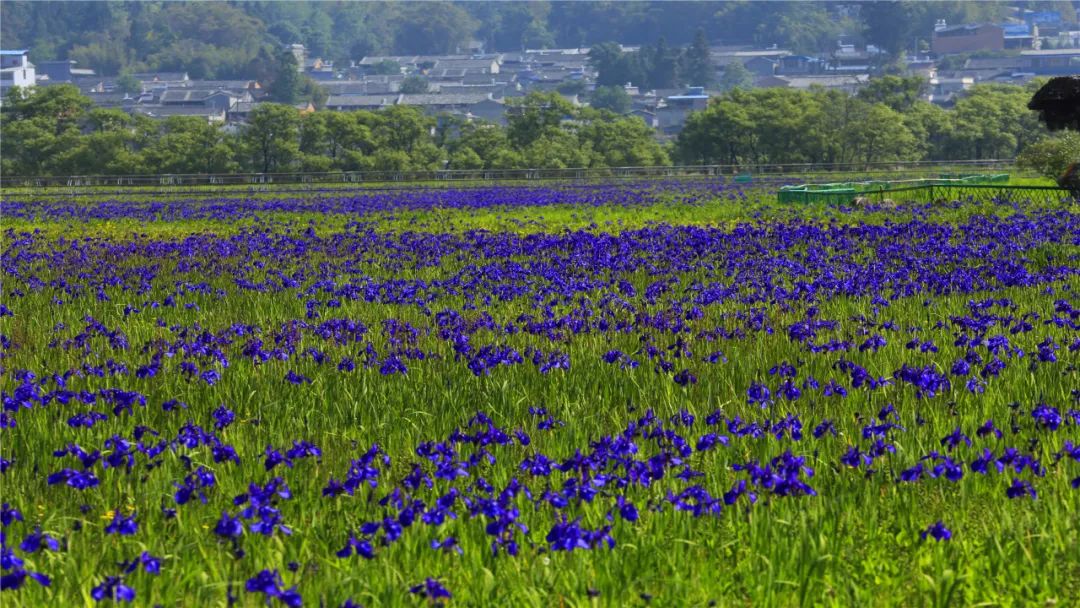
(16, 70)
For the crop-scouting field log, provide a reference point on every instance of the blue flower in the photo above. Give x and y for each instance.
(361, 547)
(8, 514)
(223, 417)
(112, 588)
(17, 577)
(268, 583)
(431, 589)
(1021, 488)
(229, 527)
(1046, 417)
(125, 526)
(296, 378)
(938, 531)
(34, 541)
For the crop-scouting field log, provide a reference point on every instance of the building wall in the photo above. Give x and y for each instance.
(985, 38)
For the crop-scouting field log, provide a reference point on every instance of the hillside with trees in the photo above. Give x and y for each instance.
(224, 40)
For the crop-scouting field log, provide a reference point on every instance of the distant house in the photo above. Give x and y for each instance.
(148, 78)
(241, 112)
(943, 91)
(1020, 35)
(56, 72)
(369, 85)
(672, 114)
(410, 63)
(567, 59)
(800, 64)
(491, 89)
(210, 113)
(458, 103)
(761, 66)
(921, 66)
(318, 69)
(474, 66)
(222, 100)
(848, 60)
(300, 53)
(360, 102)
(114, 99)
(723, 56)
(1053, 62)
(647, 116)
(238, 87)
(993, 68)
(491, 110)
(16, 69)
(967, 38)
(548, 79)
(843, 82)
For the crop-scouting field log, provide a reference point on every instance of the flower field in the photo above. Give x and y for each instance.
(667, 394)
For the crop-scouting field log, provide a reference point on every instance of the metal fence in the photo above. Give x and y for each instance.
(479, 175)
(971, 192)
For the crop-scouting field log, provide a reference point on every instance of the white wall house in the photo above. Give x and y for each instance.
(16, 70)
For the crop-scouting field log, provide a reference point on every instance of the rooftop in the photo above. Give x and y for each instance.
(450, 99)
(358, 101)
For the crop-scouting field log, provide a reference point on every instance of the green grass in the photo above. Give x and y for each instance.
(854, 544)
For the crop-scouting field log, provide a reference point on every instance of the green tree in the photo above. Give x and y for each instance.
(877, 133)
(111, 144)
(931, 125)
(128, 84)
(189, 144)
(535, 115)
(465, 158)
(1051, 155)
(487, 140)
(288, 81)
(311, 91)
(992, 121)
(431, 28)
(617, 141)
(722, 133)
(556, 149)
(537, 36)
(271, 137)
(736, 76)
(343, 137)
(414, 84)
(696, 67)
(402, 128)
(386, 66)
(40, 125)
(898, 92)
(661, 66)
(572, 87)
(888, 25)
(614, 98)
(613, 67)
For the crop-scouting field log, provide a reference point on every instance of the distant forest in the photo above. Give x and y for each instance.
(238, 39)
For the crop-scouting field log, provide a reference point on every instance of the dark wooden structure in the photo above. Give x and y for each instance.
(1058, 105)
